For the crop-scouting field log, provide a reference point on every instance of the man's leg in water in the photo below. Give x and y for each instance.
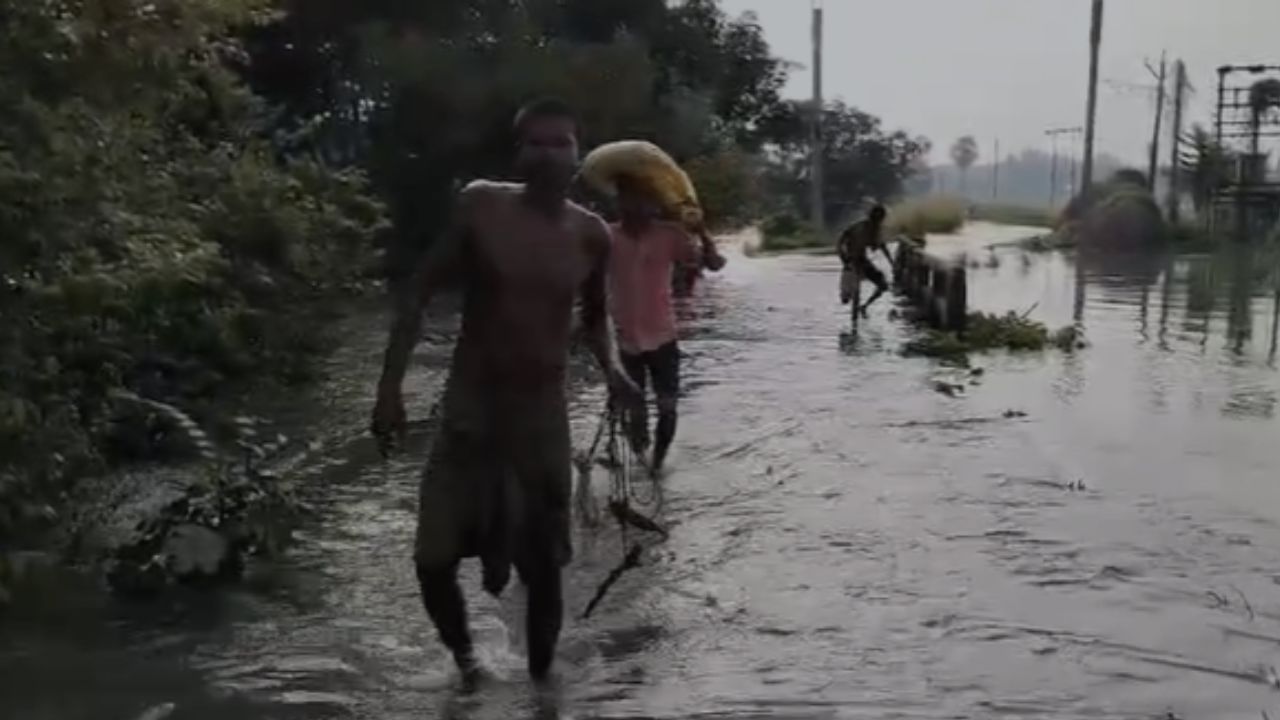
(873, 274)
(540, 455)
(447, 516)
(848, 283)
(638, 423)
(664, 364)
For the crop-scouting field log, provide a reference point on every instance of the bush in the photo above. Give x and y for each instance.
(152, 241)
(728, 187)
(935, 214)
(1119, 213)
(785, 231)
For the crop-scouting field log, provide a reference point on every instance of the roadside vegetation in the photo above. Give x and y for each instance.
(155, 241)
(933, 214)
(785, 232)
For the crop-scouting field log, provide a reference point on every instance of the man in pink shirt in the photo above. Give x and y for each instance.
(646, 250)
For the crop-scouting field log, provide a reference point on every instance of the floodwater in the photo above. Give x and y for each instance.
(848, 542)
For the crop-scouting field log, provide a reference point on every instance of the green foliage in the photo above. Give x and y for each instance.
(152, 238)
(861, 160)
(984, 333)
(237, 510)
(935, 214)
(783, 232)
(728, 184)
(422, 93)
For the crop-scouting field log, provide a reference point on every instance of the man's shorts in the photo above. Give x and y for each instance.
(498, 481)
(661, 365)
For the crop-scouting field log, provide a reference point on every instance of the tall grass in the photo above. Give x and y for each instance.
(785, 232)
(1014, 215)
(934, 214)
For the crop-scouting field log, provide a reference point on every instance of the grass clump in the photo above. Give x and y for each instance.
(934, 214)
(987, 332)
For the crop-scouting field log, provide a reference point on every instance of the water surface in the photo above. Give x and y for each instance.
(848, 543)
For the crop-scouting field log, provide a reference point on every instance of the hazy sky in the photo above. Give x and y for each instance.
(1012, 68)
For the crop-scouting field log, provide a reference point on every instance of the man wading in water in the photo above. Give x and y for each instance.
(855, 246)
(646, 251)
(497, 483)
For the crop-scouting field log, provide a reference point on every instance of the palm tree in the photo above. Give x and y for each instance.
(1206, 167)
(1263, 95)
(964, 153)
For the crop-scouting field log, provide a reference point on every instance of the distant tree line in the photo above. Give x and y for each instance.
(1025, 178)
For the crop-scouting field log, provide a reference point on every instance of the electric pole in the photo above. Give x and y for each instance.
(817, 152)
(995, 173)
(1091, 109)
(1075, 162)
(1053, 134)
(1153, 164)
(1175, 162)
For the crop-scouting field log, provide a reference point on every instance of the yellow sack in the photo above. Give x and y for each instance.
(647, 163)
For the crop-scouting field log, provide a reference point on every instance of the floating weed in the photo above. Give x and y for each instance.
(1012, 331)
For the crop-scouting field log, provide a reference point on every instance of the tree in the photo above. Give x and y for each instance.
(1207, 167)
(964, 153)
(421, 93)
(152, 240)
(861, 161)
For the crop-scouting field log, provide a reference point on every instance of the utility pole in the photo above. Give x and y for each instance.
(1175, 162)
(816, 149)
(995, 174)
(1053, 170)
(1091, 109)
(1053, 134)
(1153, 164)
(1075, 162)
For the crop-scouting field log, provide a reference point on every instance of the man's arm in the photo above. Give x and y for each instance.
(842, 247)
(711, 257)
(888, 256)
(697, 248)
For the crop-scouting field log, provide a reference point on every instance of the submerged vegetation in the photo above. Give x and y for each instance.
(1012, 332)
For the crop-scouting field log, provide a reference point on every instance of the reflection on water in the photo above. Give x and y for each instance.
(848, 541)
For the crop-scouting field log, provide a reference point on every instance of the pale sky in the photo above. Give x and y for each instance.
(1013, 68)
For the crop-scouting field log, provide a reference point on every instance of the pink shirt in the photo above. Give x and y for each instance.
(640, 284)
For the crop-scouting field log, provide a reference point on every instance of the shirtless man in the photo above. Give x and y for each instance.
(646, 250)
(855, 246)
(497, 483)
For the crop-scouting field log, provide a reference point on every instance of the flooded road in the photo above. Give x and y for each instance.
(847, 543)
